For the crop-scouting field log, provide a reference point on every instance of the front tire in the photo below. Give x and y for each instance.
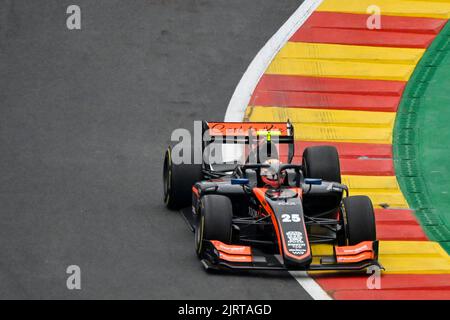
(178, 180)
(358, 219)
(215, 221)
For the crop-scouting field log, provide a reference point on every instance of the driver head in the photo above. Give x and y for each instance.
(270, 175)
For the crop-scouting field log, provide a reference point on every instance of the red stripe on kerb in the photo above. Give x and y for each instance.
(400, 232)
(393, 294)
(350, 150)
(351, 29)
(339, 101)
(367, 167)
(363, 167)
(356, 158)
(273, 82)
(392, 287)
(395, 217)
(346, 150)
(327, 93)
(398, 225)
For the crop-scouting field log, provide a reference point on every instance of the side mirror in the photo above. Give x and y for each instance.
(311, 181)
(240, 181)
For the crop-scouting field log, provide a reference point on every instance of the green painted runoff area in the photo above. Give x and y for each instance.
(422, 140)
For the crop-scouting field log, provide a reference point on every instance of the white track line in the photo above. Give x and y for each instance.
(312, 287)
(244, 90)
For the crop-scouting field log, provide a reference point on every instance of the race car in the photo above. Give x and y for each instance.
(254, 209)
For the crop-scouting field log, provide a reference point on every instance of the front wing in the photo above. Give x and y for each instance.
(220, 256)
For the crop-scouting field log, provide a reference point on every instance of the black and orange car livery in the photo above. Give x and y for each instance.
(242, 223)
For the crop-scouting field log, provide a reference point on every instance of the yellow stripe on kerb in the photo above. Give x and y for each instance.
(343, 61)
(306, 132)
(405, 257)
(331, 125)
(415, 8)
(383, 191)
(340, 69)
(324, 117)
(369, 54)
(372, 182)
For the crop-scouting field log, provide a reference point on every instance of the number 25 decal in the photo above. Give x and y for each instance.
(290, 218)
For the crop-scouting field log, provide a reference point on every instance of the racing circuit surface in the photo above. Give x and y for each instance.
(86, 116)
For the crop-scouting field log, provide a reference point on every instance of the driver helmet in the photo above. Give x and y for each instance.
(270, 175)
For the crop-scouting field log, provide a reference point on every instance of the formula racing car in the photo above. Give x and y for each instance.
(253, 208)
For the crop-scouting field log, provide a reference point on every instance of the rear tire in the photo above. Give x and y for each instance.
(359, 220)
(178, 181)
(322, 162)
(215, 221)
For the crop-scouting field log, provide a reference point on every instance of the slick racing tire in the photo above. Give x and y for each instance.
(178, 180)
(215, 221)
(322, 162)
(358, 219)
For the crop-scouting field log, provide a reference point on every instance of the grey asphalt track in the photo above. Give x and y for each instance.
(85, 118)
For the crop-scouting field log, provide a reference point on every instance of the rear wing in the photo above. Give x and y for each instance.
(249, 132)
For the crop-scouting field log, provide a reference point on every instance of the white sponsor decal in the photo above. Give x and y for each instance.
(294, 237)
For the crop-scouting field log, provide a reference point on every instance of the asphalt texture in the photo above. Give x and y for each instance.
(85, 118)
